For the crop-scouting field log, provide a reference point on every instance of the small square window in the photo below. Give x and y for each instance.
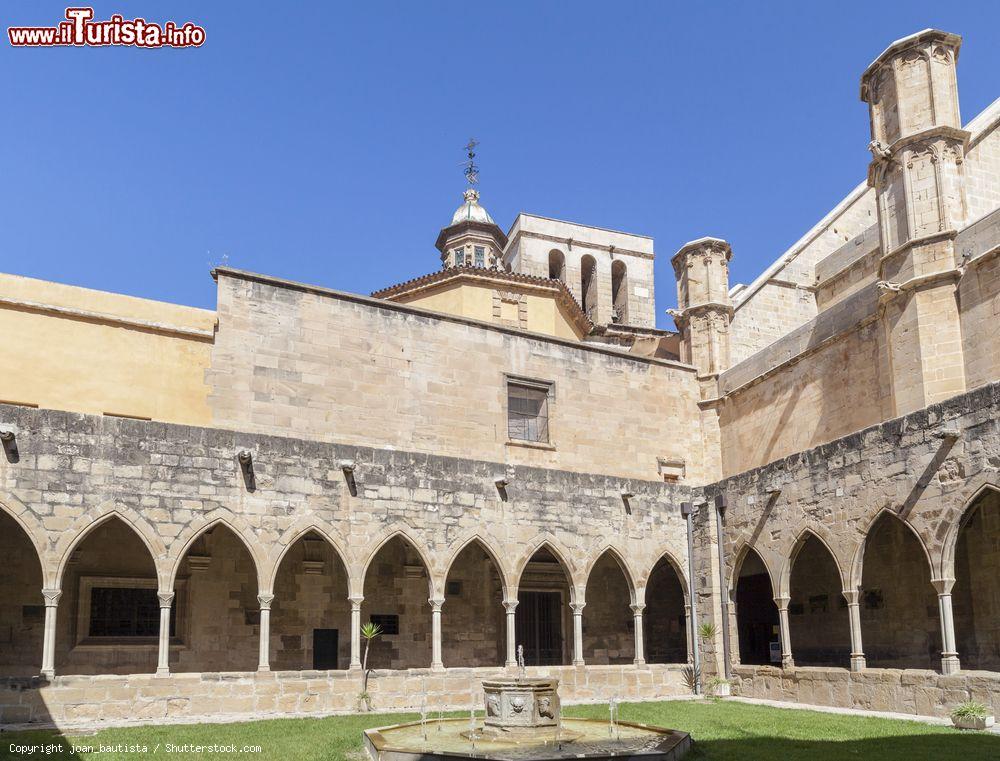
(454, 588)
(387, 622)
(528, 412)
(480, 256)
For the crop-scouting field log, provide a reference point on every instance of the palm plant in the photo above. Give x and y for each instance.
(707, 630)
(369, 631)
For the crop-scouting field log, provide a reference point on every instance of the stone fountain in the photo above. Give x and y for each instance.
(523, 723)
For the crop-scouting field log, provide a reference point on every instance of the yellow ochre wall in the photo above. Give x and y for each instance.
(475, 302)
(76, 349)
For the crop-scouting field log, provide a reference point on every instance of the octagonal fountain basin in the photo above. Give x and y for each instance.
(457, 739)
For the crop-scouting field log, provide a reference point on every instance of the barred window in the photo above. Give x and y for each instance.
(459, 257)
(387, 622)
(126, 612)
(480, 256)
(528, 411)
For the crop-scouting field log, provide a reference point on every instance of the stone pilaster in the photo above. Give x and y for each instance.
(917, 171)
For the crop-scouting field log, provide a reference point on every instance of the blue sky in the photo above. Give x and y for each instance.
(323, 144)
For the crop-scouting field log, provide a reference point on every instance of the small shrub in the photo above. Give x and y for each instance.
(691, 678)
(970, 710)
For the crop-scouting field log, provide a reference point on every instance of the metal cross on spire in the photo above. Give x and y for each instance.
(471, 170)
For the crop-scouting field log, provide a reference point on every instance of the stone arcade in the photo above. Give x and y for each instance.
(506, 451)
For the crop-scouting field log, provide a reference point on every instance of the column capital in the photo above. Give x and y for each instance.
(510, 605)
(943, 585)
(578, 608)
(265, 601)
(637, 609)
(782, 602)
(51, 597)
(166, 599)
(356, 601)
(853, 596)
(435, 603)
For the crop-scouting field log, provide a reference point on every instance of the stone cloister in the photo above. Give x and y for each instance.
(798, 490)
(224, 612)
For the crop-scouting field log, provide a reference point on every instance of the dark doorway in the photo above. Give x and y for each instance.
(539, 628)
(756, 613)
(325, 642)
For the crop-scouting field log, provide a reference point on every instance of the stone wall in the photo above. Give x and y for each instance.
(825, 380)
(924, 471)
(832, 375)
(922, 693)
(72, 700)
(181, 493)
(336, 367)
(71, 348)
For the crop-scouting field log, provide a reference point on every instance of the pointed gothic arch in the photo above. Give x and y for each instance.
(608, 620)
(757, 624)
(818, 620)
(900, 627)
(473, 619)
(21, 601)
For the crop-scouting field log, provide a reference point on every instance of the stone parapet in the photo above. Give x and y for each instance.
(70, 701)
(913, 691)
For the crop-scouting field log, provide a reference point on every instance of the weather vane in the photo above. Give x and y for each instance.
(471, 170)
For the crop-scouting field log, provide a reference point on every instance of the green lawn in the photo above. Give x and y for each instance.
(722, 730)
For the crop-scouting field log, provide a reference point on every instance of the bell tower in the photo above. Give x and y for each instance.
(918, 148)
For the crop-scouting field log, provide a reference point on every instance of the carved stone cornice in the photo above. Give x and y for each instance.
(683, 316)
(888, 290)
(901, 152)
(700, 249)
(921, 42)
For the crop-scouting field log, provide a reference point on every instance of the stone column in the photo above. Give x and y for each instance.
(949, 653)
(163, 663)
(511, 606)
(356, 601)
(640, 653)
(786, 640)
(577, 632)
(49, 634)
(265, 631)
(853, 597)
(436, 662)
